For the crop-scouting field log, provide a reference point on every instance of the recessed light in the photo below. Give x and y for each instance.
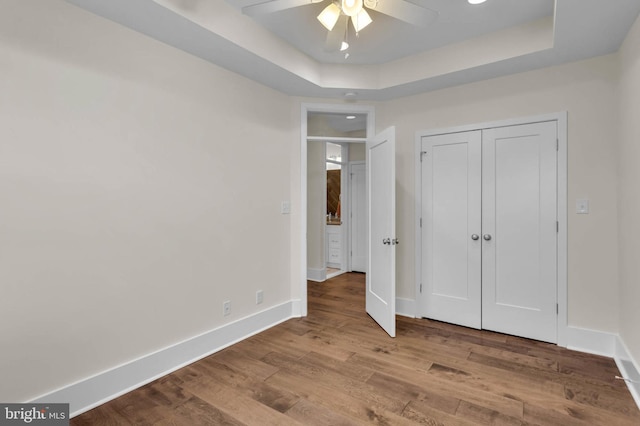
(351, 117)
(476, 1)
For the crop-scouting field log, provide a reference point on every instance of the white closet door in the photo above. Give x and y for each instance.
(451, 213)
(519, 255)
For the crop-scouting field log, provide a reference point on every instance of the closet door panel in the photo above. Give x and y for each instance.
(519, 204)
(451, 177)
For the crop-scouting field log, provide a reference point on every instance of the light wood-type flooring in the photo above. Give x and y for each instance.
(337, 367)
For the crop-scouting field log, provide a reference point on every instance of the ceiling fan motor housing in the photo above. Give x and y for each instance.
(351, 7)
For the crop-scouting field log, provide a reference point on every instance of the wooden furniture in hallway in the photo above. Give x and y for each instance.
(337, 367)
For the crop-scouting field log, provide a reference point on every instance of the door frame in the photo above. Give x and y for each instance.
(305, 109)
(561, 119)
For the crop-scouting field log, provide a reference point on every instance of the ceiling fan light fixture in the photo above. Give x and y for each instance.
(351, 7)
(361, 20)
(344, 46)
(329, 16)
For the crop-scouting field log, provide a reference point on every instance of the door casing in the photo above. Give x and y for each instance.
(300, 305)
(561, 119)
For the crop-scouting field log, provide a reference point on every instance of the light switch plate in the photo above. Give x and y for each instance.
(582, 206)
(285, 207)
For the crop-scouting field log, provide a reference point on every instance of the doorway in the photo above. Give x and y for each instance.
(380, 210)
(313, 222)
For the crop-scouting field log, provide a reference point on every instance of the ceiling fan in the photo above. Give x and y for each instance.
(335, 17)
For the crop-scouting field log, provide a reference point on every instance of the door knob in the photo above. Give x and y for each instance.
(487, 237)
(386, 241)
(475, 237)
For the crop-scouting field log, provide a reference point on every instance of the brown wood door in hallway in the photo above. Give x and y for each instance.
(337, 367)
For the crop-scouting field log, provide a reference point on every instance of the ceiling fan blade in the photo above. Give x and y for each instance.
(405, 11)
(273, 6)
(335, 37)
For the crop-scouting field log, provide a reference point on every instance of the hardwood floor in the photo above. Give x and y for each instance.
(337, 367)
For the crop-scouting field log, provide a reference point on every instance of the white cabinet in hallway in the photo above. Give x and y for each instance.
(334, 246)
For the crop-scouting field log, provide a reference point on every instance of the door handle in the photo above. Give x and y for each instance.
(386, 241)
(487, 237)
(475, 237)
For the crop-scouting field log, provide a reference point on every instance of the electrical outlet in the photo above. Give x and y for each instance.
(226, 308)
(259, 297)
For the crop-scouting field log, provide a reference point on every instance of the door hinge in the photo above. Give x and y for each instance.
(420, 287)
(420, 222)
(557, 226)
(557, 144)
(422, 154)
(557, 309)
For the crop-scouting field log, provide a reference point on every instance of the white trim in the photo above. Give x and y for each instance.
(629, 369)
(335, 274)
(562, 217)
(406, 307)
(317, 275)
(609, 345)
(418, 303)
(336, 139)
(591, 341)
(345, 199)
(557, 116)
(561, 119)
(102, 387)
(296, 308)
(305, 108)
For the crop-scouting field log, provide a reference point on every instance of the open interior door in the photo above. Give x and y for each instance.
(381, 196)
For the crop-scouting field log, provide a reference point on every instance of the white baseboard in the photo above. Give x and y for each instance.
(317, 275)
(609, 345)
(591, 341)
(406, 307)
(93, 391)
(296, 308)
(629, 369)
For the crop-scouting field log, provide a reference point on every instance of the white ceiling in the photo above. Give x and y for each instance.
(388, 39)
(389, 59)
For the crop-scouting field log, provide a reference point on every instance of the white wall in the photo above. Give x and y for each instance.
(629, 202)
(587, 90)
(140, 188)
(357, 152)
(316, 196)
